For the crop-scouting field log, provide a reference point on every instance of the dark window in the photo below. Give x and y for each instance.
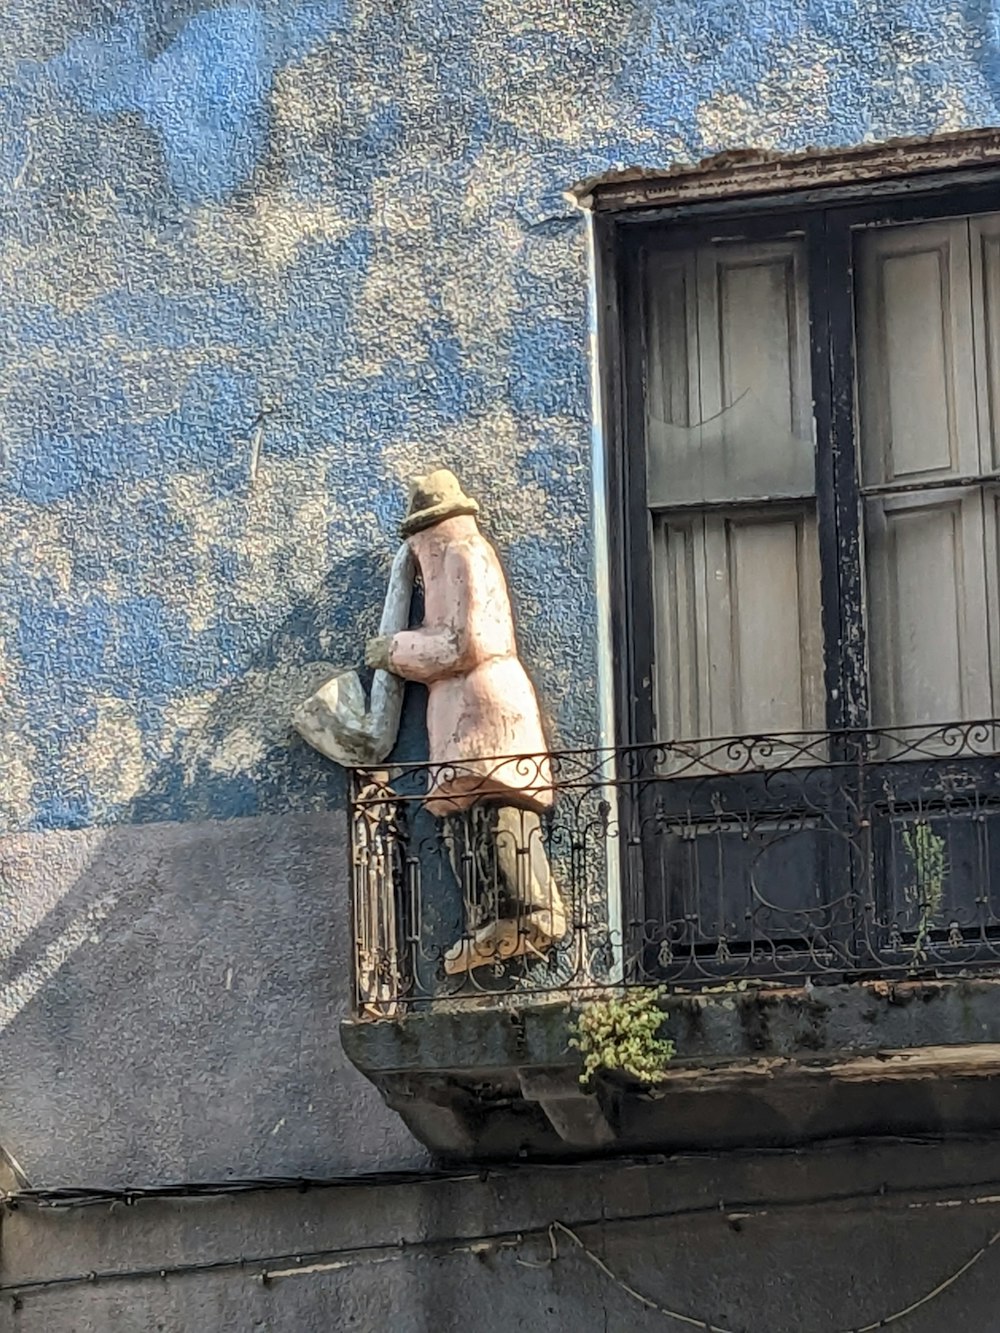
(806, 506)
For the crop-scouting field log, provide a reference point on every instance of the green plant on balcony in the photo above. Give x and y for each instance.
(622, 1035)
(927, 852)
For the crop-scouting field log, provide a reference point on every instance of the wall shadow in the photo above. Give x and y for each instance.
(172, 985)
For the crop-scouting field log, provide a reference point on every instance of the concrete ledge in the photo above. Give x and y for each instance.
(712, 1027)
(753, 1067)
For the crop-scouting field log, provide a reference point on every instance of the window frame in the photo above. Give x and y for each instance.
(827, 219)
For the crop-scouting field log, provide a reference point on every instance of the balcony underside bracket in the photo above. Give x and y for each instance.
(435, 1111)
(578, 1117)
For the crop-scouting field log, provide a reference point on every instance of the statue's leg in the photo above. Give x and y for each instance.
(485, 886)
(471, 844)
(534, 901)
(461, 837)
(472, 848)
(515, 907)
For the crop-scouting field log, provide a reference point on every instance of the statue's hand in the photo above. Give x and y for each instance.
(377, 652)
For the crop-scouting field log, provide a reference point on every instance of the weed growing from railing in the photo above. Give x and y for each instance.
(927, 851)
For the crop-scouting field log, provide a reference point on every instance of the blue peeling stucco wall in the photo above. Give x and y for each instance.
(260, 261)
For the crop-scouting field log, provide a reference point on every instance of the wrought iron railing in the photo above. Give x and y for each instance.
(761, 858)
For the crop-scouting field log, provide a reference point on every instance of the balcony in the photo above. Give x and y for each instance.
(820, 914)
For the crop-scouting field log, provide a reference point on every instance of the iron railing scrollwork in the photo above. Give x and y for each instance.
(770, 859)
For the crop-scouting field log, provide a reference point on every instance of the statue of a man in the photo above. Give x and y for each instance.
(481, 704)
(488, 754)
(490, 776)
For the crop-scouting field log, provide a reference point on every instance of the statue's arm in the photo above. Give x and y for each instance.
(433, 651)
(426, 654)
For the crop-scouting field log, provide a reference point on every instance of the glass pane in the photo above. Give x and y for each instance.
(915, 355)
(929, 643)
(985, 257)
(728, 391)
(738, 623)
(920, 302)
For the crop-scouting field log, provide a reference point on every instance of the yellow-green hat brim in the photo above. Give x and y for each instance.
(426, 518)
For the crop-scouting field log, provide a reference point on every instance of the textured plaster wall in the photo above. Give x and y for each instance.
(172, 994)
(258, 262)
(754, 1245)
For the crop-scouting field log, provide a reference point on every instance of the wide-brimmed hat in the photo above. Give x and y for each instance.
(433, 498)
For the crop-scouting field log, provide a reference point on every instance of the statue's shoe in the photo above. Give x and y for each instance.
(533, 934)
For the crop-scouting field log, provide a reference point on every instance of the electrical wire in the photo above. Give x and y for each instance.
(695, 1322)
(69, 1196)
(271, 1268)
(304, 1262)
(73, 1196)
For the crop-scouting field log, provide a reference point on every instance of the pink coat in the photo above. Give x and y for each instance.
(481, 704)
